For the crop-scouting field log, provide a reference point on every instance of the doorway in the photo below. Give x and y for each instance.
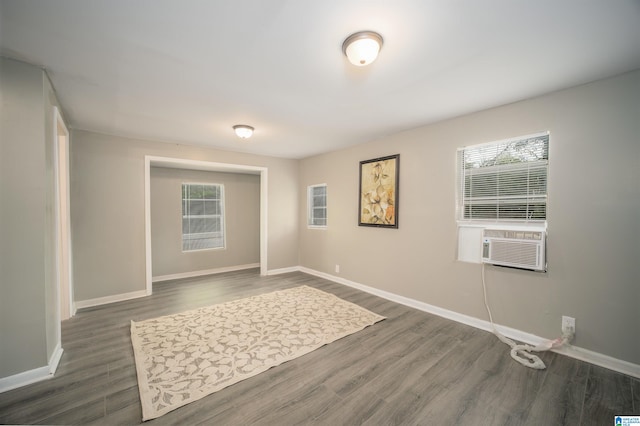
(180, 163)
(63, 223)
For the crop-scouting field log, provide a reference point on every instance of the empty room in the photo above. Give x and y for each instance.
(332, 213)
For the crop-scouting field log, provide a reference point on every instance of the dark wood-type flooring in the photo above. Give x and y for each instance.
(413, 368)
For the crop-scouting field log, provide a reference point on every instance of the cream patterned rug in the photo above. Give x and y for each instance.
(184, 357)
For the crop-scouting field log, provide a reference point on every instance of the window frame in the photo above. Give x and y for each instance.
(483, 222)
(311, 207)
(221, 215)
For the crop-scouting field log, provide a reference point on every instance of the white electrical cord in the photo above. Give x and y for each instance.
(522, 353)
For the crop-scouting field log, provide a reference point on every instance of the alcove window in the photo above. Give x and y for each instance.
(202, 216)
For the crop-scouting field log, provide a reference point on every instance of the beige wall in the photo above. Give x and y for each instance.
(28, 293)
(242, 221)
(107, 208)
(593, 214)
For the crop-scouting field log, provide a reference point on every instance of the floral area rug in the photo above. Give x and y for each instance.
(184, 357)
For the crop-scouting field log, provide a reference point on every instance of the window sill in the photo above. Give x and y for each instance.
(204, 249)
(514, 224)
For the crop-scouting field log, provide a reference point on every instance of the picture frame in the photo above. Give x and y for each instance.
(379, 192)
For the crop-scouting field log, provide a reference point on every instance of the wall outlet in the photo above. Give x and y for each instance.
(568, 325)
(337, 269)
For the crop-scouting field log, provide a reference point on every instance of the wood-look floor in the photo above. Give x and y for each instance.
(411, 369)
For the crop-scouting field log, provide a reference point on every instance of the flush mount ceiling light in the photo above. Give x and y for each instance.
(243, 131)
(362, 47)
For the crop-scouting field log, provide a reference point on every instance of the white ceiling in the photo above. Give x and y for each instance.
(188, 70)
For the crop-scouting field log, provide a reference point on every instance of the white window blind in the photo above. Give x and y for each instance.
(202, 216)
(317, 205)
(505, 180)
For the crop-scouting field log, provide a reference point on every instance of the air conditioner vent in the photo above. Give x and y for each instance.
(523, 249)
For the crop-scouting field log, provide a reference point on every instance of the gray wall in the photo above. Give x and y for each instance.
(107, 208)
(28, 302)
(593, 216)
(242, 221)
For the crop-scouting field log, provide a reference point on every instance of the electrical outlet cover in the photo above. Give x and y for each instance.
(568, 324)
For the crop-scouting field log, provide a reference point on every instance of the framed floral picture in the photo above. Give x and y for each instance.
(379, 180)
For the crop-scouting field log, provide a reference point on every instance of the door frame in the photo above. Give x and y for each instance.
(64, 269)
(181, 163)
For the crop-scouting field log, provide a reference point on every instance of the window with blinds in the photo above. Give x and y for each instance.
(504, 180)
(317, 206)
(202, 216)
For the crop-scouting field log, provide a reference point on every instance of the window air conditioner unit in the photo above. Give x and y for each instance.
(523, 249)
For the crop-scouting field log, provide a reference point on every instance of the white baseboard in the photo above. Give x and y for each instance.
(54, 360)
(284, 270)
(32, 376)
(204, 272)
(109, 299)
(576, 352)
(605, 361)
(25, 378)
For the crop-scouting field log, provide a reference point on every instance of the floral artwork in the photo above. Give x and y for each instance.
(379, 192)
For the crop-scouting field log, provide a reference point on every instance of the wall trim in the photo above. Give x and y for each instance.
(284, 270)
(61, 139)
(32, 376)
(54, 360)
(109, 299)
(25, 378)
(192, 274)
(576, 352)
(183, 163)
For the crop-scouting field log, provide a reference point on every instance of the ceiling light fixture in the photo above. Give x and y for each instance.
(243, 131)
(362, 47)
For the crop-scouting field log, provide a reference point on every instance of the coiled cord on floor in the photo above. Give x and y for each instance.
(522, 352)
